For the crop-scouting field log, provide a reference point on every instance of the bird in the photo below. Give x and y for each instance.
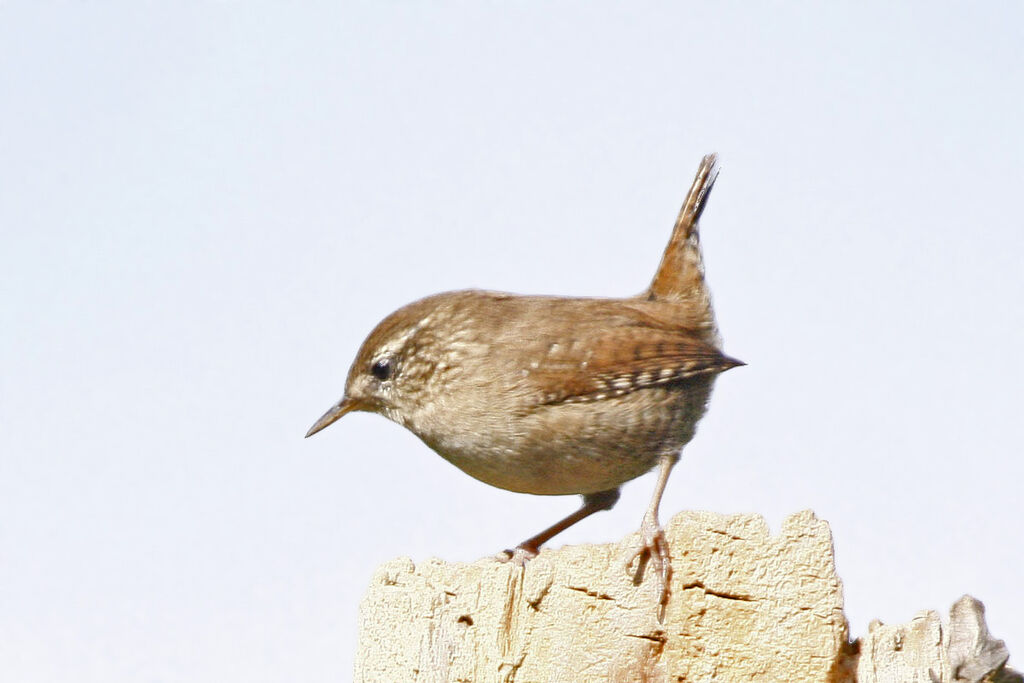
(552, 395)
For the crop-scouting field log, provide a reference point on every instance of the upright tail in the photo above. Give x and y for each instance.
(680, 276)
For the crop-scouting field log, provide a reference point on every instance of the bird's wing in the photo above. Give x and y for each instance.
(623, 359)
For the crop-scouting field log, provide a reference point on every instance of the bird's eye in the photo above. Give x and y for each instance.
(382, 369)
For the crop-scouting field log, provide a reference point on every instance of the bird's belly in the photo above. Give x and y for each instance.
(578, 447)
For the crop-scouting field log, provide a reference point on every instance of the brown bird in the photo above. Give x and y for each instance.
(555, 395)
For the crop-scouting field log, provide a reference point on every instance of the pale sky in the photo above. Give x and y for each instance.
(206, 206)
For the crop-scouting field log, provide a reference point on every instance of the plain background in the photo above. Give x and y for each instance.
(206, 206)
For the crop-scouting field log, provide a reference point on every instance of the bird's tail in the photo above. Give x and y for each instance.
(680, 276)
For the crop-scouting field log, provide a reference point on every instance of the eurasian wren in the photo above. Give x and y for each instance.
(555, 395)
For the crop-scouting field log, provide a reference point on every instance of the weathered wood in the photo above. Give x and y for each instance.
(746, 606)
(926, 650)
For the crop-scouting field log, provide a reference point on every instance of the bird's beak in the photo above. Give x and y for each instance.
(346, 405)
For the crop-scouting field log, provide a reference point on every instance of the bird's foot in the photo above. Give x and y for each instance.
(520, 555)
(653, 549)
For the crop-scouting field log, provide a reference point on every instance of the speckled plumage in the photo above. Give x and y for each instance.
(554, 395)
(499, 386)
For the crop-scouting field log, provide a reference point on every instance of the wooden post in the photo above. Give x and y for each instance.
(745, 606)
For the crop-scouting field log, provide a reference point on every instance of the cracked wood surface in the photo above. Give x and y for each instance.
(745, 606)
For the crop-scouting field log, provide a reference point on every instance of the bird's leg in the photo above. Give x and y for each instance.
(592, 502)
(653, 545)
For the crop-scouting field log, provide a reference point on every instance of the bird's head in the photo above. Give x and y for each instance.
(392, 367)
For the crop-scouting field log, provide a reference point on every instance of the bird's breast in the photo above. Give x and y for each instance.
(566, 448)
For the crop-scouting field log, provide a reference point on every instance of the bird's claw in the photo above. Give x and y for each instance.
(519, 555)
(653, 550)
